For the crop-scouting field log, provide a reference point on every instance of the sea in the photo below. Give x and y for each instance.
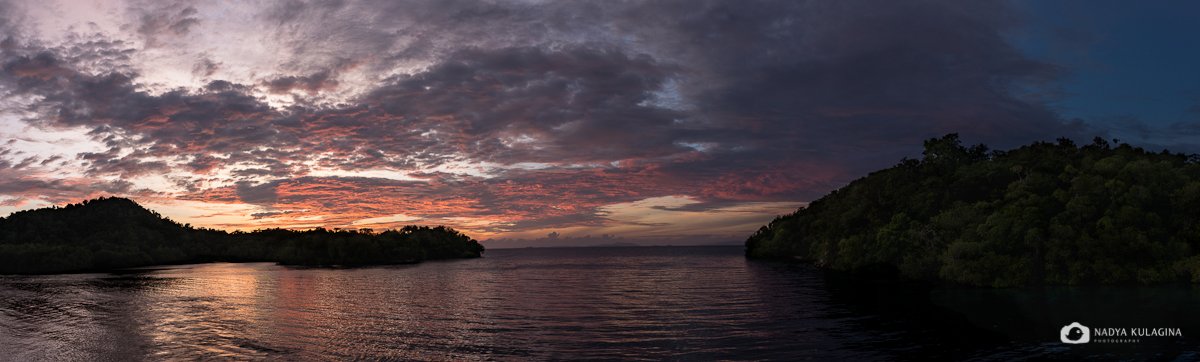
(615, 303)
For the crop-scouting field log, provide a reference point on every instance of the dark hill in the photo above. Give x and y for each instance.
(1046, 213)
(111, 233)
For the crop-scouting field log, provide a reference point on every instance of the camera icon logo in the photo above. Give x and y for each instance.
(1075, 333)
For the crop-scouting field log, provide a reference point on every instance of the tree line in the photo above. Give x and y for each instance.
(1042, 214)
(108, 233)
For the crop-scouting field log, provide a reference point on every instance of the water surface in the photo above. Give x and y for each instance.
(691, 303)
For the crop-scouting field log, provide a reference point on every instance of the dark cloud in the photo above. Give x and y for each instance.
(825, 82)
(580, 104)
(222, 118)
(27, 185)
(525, 104)
(25, 162)
(161, 22)
(130, 165)
(204, 163)
(310, 84)
(260, 215)
(263, 194)
(205, 67)
(785, 71)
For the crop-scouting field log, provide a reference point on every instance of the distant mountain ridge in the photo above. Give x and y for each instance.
(113, 232)
(1046, 213)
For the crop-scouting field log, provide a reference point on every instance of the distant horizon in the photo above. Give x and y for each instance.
(616, 246)
(537, 243)
(546, 242)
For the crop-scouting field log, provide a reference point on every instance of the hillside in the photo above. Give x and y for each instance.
(1046, 213)
(109, 233)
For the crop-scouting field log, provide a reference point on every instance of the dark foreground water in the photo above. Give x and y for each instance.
(691, 303)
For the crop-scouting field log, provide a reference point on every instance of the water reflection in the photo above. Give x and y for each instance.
(71, 317)
(222, 302)
(652, 303)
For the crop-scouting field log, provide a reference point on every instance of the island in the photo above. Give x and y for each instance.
(1042, 214)
(112, 233)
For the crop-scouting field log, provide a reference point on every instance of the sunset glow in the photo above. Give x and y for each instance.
(508, 119)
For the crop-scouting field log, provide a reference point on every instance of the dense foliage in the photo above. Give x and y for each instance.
(1046, 213)
(115, 233)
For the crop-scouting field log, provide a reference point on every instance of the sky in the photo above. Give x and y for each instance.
(531, 122)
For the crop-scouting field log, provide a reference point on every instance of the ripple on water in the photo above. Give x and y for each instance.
(620, 303)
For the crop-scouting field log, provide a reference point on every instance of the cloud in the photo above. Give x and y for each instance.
(165, 21)
(205, 67)
(25, 184)
(521, 117)
(312, 83)
(387, 220)
(529, 105)
(263, 194)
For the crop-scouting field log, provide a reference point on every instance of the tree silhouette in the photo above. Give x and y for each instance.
(112, 232)
(1045, 213)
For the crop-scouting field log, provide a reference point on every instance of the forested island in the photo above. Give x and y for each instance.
(1042, 214)
(111, 233)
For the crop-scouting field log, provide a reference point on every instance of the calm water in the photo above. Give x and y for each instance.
(696, 303)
